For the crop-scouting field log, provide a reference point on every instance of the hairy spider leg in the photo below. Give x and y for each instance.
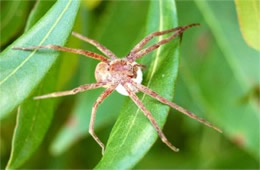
(155, 95)
(164, 41)
(79, 89)
(66, 49)
(136, 53)
(99, 46)
(147, 113)
(143, 42)
(99, 100)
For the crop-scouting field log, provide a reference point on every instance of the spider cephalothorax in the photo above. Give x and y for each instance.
(123, 75)
(119, 71)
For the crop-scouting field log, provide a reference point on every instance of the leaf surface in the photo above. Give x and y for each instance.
(12, 16)
(39, 9)
(217, 75)
(34, 117)
(243, 77)
(21, 71)
(133, 135)
(249, 19)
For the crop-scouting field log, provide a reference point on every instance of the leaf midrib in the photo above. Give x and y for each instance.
(43, 40)
(149, 77)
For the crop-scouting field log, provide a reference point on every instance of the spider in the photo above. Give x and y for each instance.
(123, 75)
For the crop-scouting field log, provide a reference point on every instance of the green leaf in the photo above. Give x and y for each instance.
(249, 19)
(217, 75)
(133, 135)
(21, 71)
(91, 4)
(40, 8)
(12, 16)
(33, 120)
(241, 72)
(34, 117)
(78, 124)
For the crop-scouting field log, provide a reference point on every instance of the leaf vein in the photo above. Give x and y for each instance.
(43, 40)
(151, 75)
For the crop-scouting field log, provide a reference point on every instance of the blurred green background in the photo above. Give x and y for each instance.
(218, 79)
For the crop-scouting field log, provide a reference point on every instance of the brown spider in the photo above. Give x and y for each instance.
(123, 75)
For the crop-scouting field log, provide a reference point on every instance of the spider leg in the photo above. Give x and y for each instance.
(173, 105)
(139, 103)
(100, 99)
(66, 49)
(99, 46)
(73, 91)
(143, 42)
(136, 53)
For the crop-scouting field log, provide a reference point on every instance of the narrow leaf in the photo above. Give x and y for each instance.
(12, 16)
(249, 19)
(34, 117)
(21, 71)
(39, 9)
(133, 135)
(218, 75)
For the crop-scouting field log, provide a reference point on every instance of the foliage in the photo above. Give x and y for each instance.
(12, 18)
(249, 19)
(125, 146)
(218, 80)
